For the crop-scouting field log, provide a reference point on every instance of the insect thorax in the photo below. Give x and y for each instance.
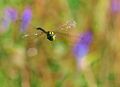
(50, 36)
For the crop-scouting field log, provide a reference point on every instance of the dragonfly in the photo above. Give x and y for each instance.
(51, 35)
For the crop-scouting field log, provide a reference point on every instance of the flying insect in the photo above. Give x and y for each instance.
(51, 35)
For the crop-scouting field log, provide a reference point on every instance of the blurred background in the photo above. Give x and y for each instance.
(84, 56)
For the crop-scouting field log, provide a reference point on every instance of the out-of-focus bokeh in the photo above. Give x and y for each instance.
(87, 55)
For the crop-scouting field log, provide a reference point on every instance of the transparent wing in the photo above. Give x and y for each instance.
(33, 35)
(67, 32)
(65, 29)
(68, 25)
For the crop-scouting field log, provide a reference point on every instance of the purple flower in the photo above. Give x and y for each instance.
(115, 5)
(26, 17)
(10, 14)
(81, 48)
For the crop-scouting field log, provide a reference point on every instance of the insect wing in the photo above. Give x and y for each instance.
(33, 35)
(67, 26)
(65, 29)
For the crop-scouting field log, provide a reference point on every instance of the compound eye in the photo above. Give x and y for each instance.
(49, 32)
(52, 33)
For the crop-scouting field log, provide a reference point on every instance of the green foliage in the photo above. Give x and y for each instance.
(54, 62)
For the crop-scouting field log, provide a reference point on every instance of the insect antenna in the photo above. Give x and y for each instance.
(39, 28)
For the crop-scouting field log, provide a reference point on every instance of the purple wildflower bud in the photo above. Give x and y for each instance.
(10, 14)
(26, 17)
(115, 4)
(81, 48)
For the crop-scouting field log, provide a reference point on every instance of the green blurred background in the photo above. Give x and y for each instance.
(86, 56)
